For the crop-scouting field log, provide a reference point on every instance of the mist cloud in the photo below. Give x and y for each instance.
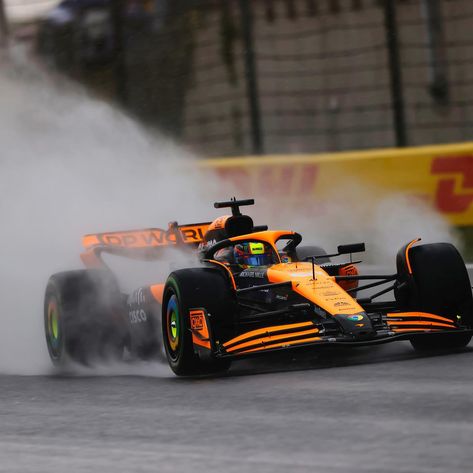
(71, 164)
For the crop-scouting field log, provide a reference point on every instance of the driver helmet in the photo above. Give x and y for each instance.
(252, 254)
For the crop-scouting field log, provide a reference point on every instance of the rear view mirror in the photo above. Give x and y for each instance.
(353, 248)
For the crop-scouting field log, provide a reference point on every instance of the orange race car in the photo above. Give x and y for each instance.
(250, 291)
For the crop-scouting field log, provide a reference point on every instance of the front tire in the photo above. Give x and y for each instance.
(195, 288)
(439, 285)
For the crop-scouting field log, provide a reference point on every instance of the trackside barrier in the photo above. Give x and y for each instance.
(440, 175)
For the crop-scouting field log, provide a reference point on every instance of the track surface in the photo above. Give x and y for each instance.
(382, 409)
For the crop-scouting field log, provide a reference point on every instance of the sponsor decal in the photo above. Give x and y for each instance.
(355, 318)
(252, 274)
(294, 180)
(193, 234)
(442, 176)
(135, 239)
(454, 189)
(197, 319)
(204, 246)
(301, 270)
(151, 237)
(321, 284)
(137, 297)
(341, 303)
(348, 271)
(137, 316)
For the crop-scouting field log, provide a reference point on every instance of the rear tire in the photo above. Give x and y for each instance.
(440, 285)
(83, 317)
(195, 288)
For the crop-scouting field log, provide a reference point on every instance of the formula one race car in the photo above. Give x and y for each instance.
(251, 291)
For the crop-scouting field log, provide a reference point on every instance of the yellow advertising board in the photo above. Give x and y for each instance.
(440, 175)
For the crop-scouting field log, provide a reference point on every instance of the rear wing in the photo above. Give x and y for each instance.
(146, 244)
(147, 238)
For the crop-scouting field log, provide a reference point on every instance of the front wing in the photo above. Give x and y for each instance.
(396, 326)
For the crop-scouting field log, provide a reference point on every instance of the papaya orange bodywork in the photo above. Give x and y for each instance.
(348, 270)
(230, 274)
(157, 291)
(420, 322)
(267, 332)
(218, 223)
(268, 236)
(146, 238)
(423, 315)
(408, 247)
(323, 290)
(266, 340)
(199, 329)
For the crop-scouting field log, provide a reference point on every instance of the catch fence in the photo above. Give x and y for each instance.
(236, 77)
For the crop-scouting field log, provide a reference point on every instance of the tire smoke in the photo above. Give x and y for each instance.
(72, 165)
(384, 221)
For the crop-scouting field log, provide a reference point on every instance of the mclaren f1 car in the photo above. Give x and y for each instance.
(251, 291)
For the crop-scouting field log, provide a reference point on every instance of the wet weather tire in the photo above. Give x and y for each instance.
(440, 285)
(194, 288)
(83, 317)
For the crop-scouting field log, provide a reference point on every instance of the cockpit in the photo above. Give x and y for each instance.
(248, 254)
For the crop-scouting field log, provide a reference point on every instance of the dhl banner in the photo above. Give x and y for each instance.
(440, 175)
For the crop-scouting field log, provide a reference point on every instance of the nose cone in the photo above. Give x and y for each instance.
(322, 291)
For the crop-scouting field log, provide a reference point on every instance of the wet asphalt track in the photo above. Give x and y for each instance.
(382, 409)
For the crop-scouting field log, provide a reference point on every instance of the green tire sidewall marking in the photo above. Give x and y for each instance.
(54, 324)
(54, 331)
(174, 325)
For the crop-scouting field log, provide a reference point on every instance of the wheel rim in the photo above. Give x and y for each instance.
(54, 333)
(172, 323)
